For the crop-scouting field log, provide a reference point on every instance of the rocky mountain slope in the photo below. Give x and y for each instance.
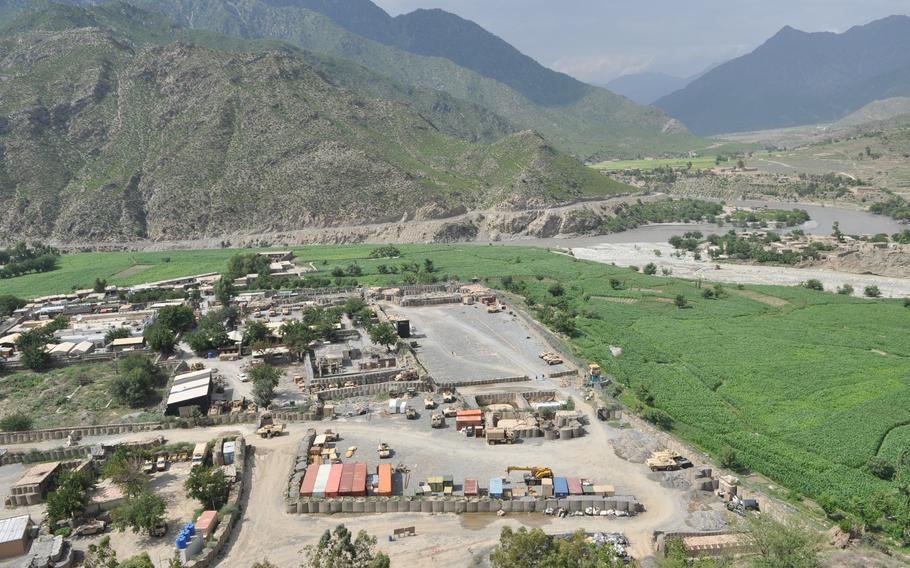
(439, 51)
(798, 78)
(108, 134)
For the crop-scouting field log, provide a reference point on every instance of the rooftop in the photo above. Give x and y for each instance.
(38, 473)
(13, 528)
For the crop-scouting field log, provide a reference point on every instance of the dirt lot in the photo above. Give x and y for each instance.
(464, 343)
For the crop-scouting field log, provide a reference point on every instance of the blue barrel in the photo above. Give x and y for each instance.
(181, 543)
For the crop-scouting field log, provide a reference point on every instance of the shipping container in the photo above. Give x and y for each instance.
(495, 487)
(322, 479)
(347, 480)
(393, 406)
(359, 485)
(402, 407)
(385, 479)
(560, 487)
(206, 523)
(470, 487)
(334, 483)
(574, 484)
(604, 490)
(309, 481)
(469, 413)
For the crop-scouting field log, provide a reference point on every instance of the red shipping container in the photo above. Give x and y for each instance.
(359, 488)
(470, 487)
(309, 481)
(385, 479)
(574, 484)
(347, 480)
(331, 488)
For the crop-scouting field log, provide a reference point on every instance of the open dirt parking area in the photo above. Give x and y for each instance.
(465, 343)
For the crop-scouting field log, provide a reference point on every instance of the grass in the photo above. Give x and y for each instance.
(794, 380)
(700, 163)
(68, 396)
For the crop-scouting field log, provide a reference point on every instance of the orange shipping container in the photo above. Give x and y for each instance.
(385, 479)
(334, 484)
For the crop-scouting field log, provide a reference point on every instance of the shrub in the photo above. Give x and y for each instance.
(729, 459)
(813, 284)
(16, 422)
(872, 292)
(650, 269)
(680, 301)
(881, 468)
(845, 290)
(658, 417)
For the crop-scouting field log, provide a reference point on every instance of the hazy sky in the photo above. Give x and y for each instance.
(597, 40)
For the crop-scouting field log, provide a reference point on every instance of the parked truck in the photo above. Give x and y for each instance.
(667, 460)
(199, 453)
(437, 420)
(500, 436)
(268, 427)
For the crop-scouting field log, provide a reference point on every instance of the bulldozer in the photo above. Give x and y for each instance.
(535, 472)
(437, 420)
(268, 427)
(667, 460)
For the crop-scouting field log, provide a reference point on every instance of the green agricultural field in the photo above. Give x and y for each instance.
(700, 163)
(805, 386)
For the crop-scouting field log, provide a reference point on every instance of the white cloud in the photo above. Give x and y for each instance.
(602, 68)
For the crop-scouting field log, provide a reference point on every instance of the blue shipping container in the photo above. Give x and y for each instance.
(560, 487)
(496, 487)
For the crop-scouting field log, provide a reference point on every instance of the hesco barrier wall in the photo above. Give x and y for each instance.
(370, 390)
(61, 454)
(362, 378)
(454, 384)
(456, 505)
(8, 438)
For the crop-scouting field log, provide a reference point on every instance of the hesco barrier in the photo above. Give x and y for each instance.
(459, 505)
(454, 384)
(61, 454)
(370, 390)
(368, 377)
(8, 438)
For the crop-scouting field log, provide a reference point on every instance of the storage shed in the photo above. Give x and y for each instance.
(197, 392)
(14, 536)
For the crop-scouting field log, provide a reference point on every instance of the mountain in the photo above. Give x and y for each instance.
(798, 78)
(645, 88)
(111, 131)
(450, 55)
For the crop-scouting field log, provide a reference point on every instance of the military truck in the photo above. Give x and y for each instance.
(667, 460)
(437, 420)
(411, 414)
(500, 436)
(268, 427)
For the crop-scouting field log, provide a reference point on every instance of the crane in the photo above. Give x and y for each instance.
(536, 472)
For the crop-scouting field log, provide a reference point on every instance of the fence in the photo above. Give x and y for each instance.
(79, 359)
(373, 389)
(454, 384)
(60, 454)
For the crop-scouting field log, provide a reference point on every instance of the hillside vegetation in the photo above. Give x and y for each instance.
(439, 51)
(107, 134)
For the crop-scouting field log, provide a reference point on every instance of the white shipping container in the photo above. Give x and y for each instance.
(322, 479)
(393, 406)
(403, 407)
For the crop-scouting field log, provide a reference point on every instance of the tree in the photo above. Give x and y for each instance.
(556, 290)
(224, 290)
(209, 486)
(615, 284)
(836, 232)
(729, 459)
(141, 561)
(296, 336)
(845, 290)
(680, 301)
(872, 291)
(124, 468)
(881, 468)
(650, 269)
(533, 548)
(69, 497)
(16, 422)
(265, 378)
(101, 555)
(159, 338)
(100, 285)
(564, 322)
(141, 512)
(255, 331)
(135, 381)
(384, 334)
(31, 346)
(782, 545)
(9, 304)
(337, 549)
(428, 265)
(117, 333)
(177, 318)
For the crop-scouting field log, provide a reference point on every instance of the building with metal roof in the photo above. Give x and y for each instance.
(14, 536)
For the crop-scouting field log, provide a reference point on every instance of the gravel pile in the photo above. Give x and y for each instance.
(707, 520)
(634, 445)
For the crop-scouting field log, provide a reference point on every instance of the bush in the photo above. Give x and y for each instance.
(556, 290)
(16, 422)
(135, 381)
(650, 269)
(872, 292)
(845, 290)
(729, 459)
(813, 284)
(680, 301)
(658, 417)
(881, 468)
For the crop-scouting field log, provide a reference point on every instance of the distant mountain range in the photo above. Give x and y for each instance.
(798, 78)
(117, 124)
(432, 49)
(645, 88)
